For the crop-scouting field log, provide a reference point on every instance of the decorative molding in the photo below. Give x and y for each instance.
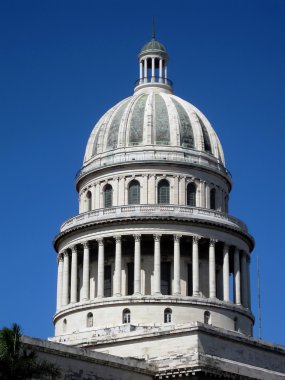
(213, 242)
(196, 239)
(177, 238)
(157, 237)
(137, 237)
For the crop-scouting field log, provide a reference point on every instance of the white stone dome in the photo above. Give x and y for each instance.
(153, 117)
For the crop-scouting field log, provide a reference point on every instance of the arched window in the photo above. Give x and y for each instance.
(167, 315)
(207, 318)
(213, 199)
(163, 192)
(89, 320)
(108, 196)
(134, 193)
(126, 316)
(191, 194)
(64, 325)
(88, 201)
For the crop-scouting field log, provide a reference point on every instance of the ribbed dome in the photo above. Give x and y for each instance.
(153, 45)
(153, 119)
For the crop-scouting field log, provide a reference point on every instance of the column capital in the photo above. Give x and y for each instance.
(137, 237)
(177, 237)
(213, 242)
(86, 244)
(157, 237)
(66, 253)
(118, 238)
(74, 248)
(196, 239)
(60, 256)
(100, 241)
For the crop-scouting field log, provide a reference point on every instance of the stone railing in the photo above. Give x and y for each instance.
(117, 156)
(153, 210)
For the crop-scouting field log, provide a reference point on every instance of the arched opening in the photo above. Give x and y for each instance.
(191, 195)
(207, 318)
(163, 192)
(167, 315)
(108, 196)
(126, 316)
(213, 199)
(89, 320)
(64, 325)
(88, 201)
(134, 193)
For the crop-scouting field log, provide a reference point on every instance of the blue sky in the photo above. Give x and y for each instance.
(64, 63)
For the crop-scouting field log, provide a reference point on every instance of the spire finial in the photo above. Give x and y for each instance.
(153, 28)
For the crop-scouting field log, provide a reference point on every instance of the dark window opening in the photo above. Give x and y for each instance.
(107, 281)
(167, 315)
(190, 281)
(163, 192)
(165, 284)
(126, 316)
(191, 195)
(134, 193)
(108, 196)
(213, 199)
(130, 278)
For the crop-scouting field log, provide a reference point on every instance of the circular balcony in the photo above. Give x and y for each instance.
(150, 211)
(160, 82)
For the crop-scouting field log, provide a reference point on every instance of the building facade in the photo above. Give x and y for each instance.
(153, 262)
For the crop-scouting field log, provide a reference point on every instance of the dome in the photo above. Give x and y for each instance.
(153, 45)
(154, 119)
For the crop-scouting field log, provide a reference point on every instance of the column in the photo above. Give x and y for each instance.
(100, 287)
(244, 284)
(65, 280)
(248, 282)
(156, 287)
(195, 266)
(207, 195)
(151, 189)
(141, 70)
(176, 283)
(153, 70)
(182, 190)
(160, 68)
(73, 292)
(176, 190)
(118, 267)
(226, 273)
(212, 269)
(237, 277)
(59, 281)
(137, 265)
(145, 70)
(165, 72)
(86, 279)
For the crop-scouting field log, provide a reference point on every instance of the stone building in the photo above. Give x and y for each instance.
(153, 273)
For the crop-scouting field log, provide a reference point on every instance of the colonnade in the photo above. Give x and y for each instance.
(67, 287)
(144, 65)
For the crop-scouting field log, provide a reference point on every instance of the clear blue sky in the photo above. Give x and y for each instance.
(64, 63)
